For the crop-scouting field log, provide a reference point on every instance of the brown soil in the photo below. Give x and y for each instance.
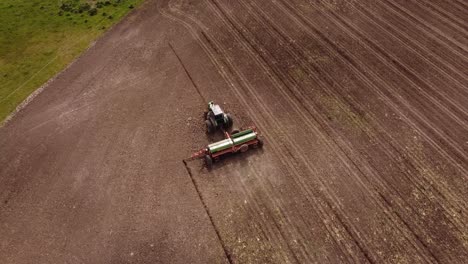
(363, 106)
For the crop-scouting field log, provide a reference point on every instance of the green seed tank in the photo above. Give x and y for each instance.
(235, 140)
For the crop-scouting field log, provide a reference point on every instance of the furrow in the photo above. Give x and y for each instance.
(462, 4)
(273, 234)
(385, 58)
(264, 124)
(310, 71)
(460, 47)
(355, 67)
(343, 159)
(403, 37)
(461, 24)
(277, 125)
(408, 20)
(462, 206)
(435, 46)
(326, 217)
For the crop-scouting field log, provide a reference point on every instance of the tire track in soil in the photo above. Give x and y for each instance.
(310, 193)
(461, 122)
(246, 193)
(243, 30)
(307, 56)
(188, 75)
(452, 10)
(230, 82)
(297, 57)
(461, 4)
(403, 38)
(223, 14)
(423, 52)
(193, 32)
(259, 12)
(279, 238)
(207, 210)
(428, 8)
(252, 213)
(278, 235)
(325, 220)
(324, 73)
(348, 59)
(407, 20)
(449, 17)
(189, 171)
(404, 71)
(459, 48)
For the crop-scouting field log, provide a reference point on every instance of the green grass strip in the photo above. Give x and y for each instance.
(39, 38)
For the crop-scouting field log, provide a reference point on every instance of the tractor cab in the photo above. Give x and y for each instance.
(218, 113)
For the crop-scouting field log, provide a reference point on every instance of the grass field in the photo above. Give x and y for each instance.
(39, 38)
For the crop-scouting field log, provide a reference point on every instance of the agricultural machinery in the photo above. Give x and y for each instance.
(237, 141)
(215, 118)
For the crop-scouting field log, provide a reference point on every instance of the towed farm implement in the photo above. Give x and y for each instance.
(234, 142)
(238, 141)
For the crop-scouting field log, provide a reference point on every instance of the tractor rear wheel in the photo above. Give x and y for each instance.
(209, 127)
(229, 121)
(208, 161)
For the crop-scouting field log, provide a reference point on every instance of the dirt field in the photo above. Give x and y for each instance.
(363, 107)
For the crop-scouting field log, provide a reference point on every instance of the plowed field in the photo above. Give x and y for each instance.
(363, 107)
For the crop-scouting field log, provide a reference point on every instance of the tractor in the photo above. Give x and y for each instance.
(215, 118)
(234, 142)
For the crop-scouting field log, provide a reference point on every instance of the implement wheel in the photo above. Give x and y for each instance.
(244, 148)
(259, 143)
(208, 161)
